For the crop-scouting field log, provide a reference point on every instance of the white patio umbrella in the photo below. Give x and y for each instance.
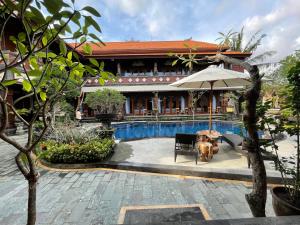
(213, 78)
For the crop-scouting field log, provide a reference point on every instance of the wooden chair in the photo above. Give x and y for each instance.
(185, 145)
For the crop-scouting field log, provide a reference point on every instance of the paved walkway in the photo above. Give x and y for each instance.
(161, 151)
(96, 197)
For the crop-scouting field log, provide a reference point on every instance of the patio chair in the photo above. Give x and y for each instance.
(234, 140)
(185, 145)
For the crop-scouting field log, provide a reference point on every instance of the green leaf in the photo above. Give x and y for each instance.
(82, 39)
(90, 21)
(94, 62)
(34, 73)
(75, 19)
(76, 56)
(41, 54)
(43, 96)
(69, 56)
(104, 75)
(101, 65)
(15, 71)
(90, 70)
(62, 47)
(53, 6)
(9, 82)
(66, 14)
(174, 62)
(68, 29)
(12, 38)
(95, 37)
(22, 36)
(51, 55)
(87, 49)
(44, 40)
(77, 34)
(92, 11)
(22, 48)
(33, 62)
(38, 16)
(26, 85)
(101, 81)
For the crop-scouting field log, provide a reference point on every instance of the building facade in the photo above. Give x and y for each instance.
(144, 71)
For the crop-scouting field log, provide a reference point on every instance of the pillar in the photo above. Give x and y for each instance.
(182, 103)
(119, 69)
(155, 71)
(127, 105)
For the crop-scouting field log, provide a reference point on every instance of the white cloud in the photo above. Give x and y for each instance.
(282, 27)
(129, 7)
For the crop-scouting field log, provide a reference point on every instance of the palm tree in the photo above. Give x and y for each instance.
(225, 39)
(235, 40)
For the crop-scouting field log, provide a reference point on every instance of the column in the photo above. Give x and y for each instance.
(127, 105)
(119, 69)
(155, 71)
(159, 104)
(155, 101)
(182, 103)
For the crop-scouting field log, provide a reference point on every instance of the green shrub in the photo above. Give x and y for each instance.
(92, 151)
(69, 134)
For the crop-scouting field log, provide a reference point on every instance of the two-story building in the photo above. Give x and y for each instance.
(144, 71)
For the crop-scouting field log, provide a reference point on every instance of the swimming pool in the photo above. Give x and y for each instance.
(139, 130)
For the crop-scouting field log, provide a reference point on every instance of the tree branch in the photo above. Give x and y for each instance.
(17, 114)
(24, 170)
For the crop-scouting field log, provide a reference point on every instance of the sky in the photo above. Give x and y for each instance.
(201, 20)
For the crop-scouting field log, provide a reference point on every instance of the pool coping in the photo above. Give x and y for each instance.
(227, 174)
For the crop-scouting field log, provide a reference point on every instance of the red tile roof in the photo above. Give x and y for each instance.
(153, 48)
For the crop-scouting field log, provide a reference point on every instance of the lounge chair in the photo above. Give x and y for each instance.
(234, 140)
(185, 145)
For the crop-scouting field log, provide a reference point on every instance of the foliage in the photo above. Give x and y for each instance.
(68, 133)
(292, 105)
(46, 64)
(92, 151)
(105, 101)
(235, 42)
(290, 92)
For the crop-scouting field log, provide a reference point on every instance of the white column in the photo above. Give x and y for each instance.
(127, 105)
(155, 68)
(182, 103)
(119, 69)
(214, 103)
(159, 105)
(152, 102)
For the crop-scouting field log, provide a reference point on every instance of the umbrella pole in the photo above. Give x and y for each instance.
(210, 102)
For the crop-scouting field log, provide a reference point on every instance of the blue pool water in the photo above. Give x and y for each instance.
(139, 130)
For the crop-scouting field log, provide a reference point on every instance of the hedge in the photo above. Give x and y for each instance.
(92, 151)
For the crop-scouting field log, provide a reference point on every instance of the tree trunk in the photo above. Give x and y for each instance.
(257, 198)
(32, 178)
(31, 212)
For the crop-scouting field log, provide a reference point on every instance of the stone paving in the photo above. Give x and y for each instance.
(161, 151)
(96, 197)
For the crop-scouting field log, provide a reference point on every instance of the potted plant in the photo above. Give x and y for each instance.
(286, 198)
(106, 104)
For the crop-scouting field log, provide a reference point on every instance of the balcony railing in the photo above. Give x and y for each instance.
(159, 73)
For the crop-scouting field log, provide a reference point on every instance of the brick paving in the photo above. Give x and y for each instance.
(96, 197)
